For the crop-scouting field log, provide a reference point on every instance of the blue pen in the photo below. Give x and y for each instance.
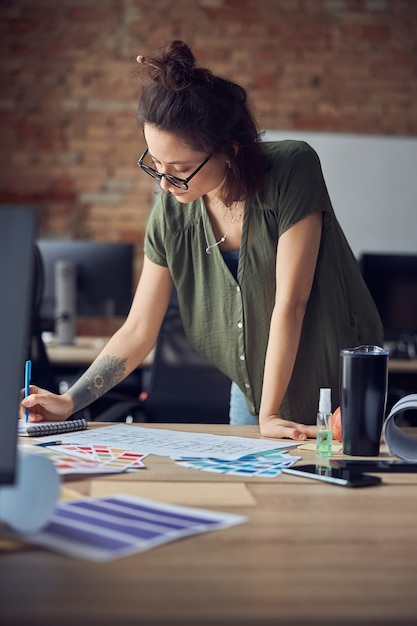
(28, 374)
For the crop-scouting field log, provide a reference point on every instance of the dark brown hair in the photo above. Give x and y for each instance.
(211, 114)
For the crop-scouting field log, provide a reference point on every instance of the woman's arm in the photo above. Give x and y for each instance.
(297, 253)
(128, 347)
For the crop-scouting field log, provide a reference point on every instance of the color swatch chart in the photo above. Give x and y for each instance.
(90, 459)
(101, 529)
(267, 464)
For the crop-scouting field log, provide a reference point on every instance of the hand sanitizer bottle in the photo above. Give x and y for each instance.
(324, 424)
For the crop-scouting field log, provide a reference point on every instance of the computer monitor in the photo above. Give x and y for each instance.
(104, 277)
(392, 281)
(17, 236)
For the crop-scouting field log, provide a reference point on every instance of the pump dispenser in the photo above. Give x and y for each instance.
(324, 424)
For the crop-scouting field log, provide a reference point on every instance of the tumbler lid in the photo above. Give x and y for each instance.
(365, 350)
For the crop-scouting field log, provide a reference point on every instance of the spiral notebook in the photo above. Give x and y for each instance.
(41, 429)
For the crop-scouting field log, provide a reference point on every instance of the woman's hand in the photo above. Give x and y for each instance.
(279, 428)
(46, 406)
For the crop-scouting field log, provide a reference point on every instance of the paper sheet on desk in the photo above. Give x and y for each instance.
(73, 459)
(266, 464)
(174, 443)
(401, 443)
(101, 529)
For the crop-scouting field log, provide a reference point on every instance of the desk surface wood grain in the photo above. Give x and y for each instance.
(309, 554)
(82, 352)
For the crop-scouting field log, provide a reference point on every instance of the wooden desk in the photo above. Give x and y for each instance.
(82, 353)
(310, 554)
(403, 366)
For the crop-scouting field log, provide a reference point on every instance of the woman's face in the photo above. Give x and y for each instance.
(169, 155)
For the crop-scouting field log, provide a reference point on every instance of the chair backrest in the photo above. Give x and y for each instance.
(184, 387)
(42, 371)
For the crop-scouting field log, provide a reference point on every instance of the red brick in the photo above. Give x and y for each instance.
(68, 89)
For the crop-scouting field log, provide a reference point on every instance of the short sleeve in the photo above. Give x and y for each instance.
(154, 246)
(302, 189)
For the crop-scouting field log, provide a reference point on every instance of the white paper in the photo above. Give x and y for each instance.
(173, 443)
(399, 442)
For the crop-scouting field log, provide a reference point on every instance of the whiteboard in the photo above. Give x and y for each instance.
(372, 182)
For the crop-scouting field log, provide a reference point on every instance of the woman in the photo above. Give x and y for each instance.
(268, 288)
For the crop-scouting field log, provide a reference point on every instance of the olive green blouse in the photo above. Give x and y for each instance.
(228, 320)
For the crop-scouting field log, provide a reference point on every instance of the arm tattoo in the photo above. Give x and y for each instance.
(101, 376)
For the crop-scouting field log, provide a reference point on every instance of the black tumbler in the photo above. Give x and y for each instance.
(363, 398)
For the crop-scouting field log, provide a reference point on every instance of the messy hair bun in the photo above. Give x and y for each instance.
(174, 66)
(209, 113)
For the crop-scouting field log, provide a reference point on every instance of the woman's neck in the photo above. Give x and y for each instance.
(226, 222)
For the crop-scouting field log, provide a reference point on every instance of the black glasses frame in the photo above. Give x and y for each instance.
(180, 183)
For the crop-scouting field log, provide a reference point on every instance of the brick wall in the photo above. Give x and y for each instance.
(69, 138)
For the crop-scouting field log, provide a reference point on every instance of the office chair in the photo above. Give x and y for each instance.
(183, 387)
(42, 372)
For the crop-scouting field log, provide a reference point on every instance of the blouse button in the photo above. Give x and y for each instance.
(242, 357)
(239, 325)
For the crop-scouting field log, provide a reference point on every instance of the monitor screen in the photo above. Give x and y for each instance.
(17, 236)
(104, 277)
(392, 281)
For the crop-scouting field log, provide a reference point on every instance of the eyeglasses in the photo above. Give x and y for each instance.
(181, 183)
